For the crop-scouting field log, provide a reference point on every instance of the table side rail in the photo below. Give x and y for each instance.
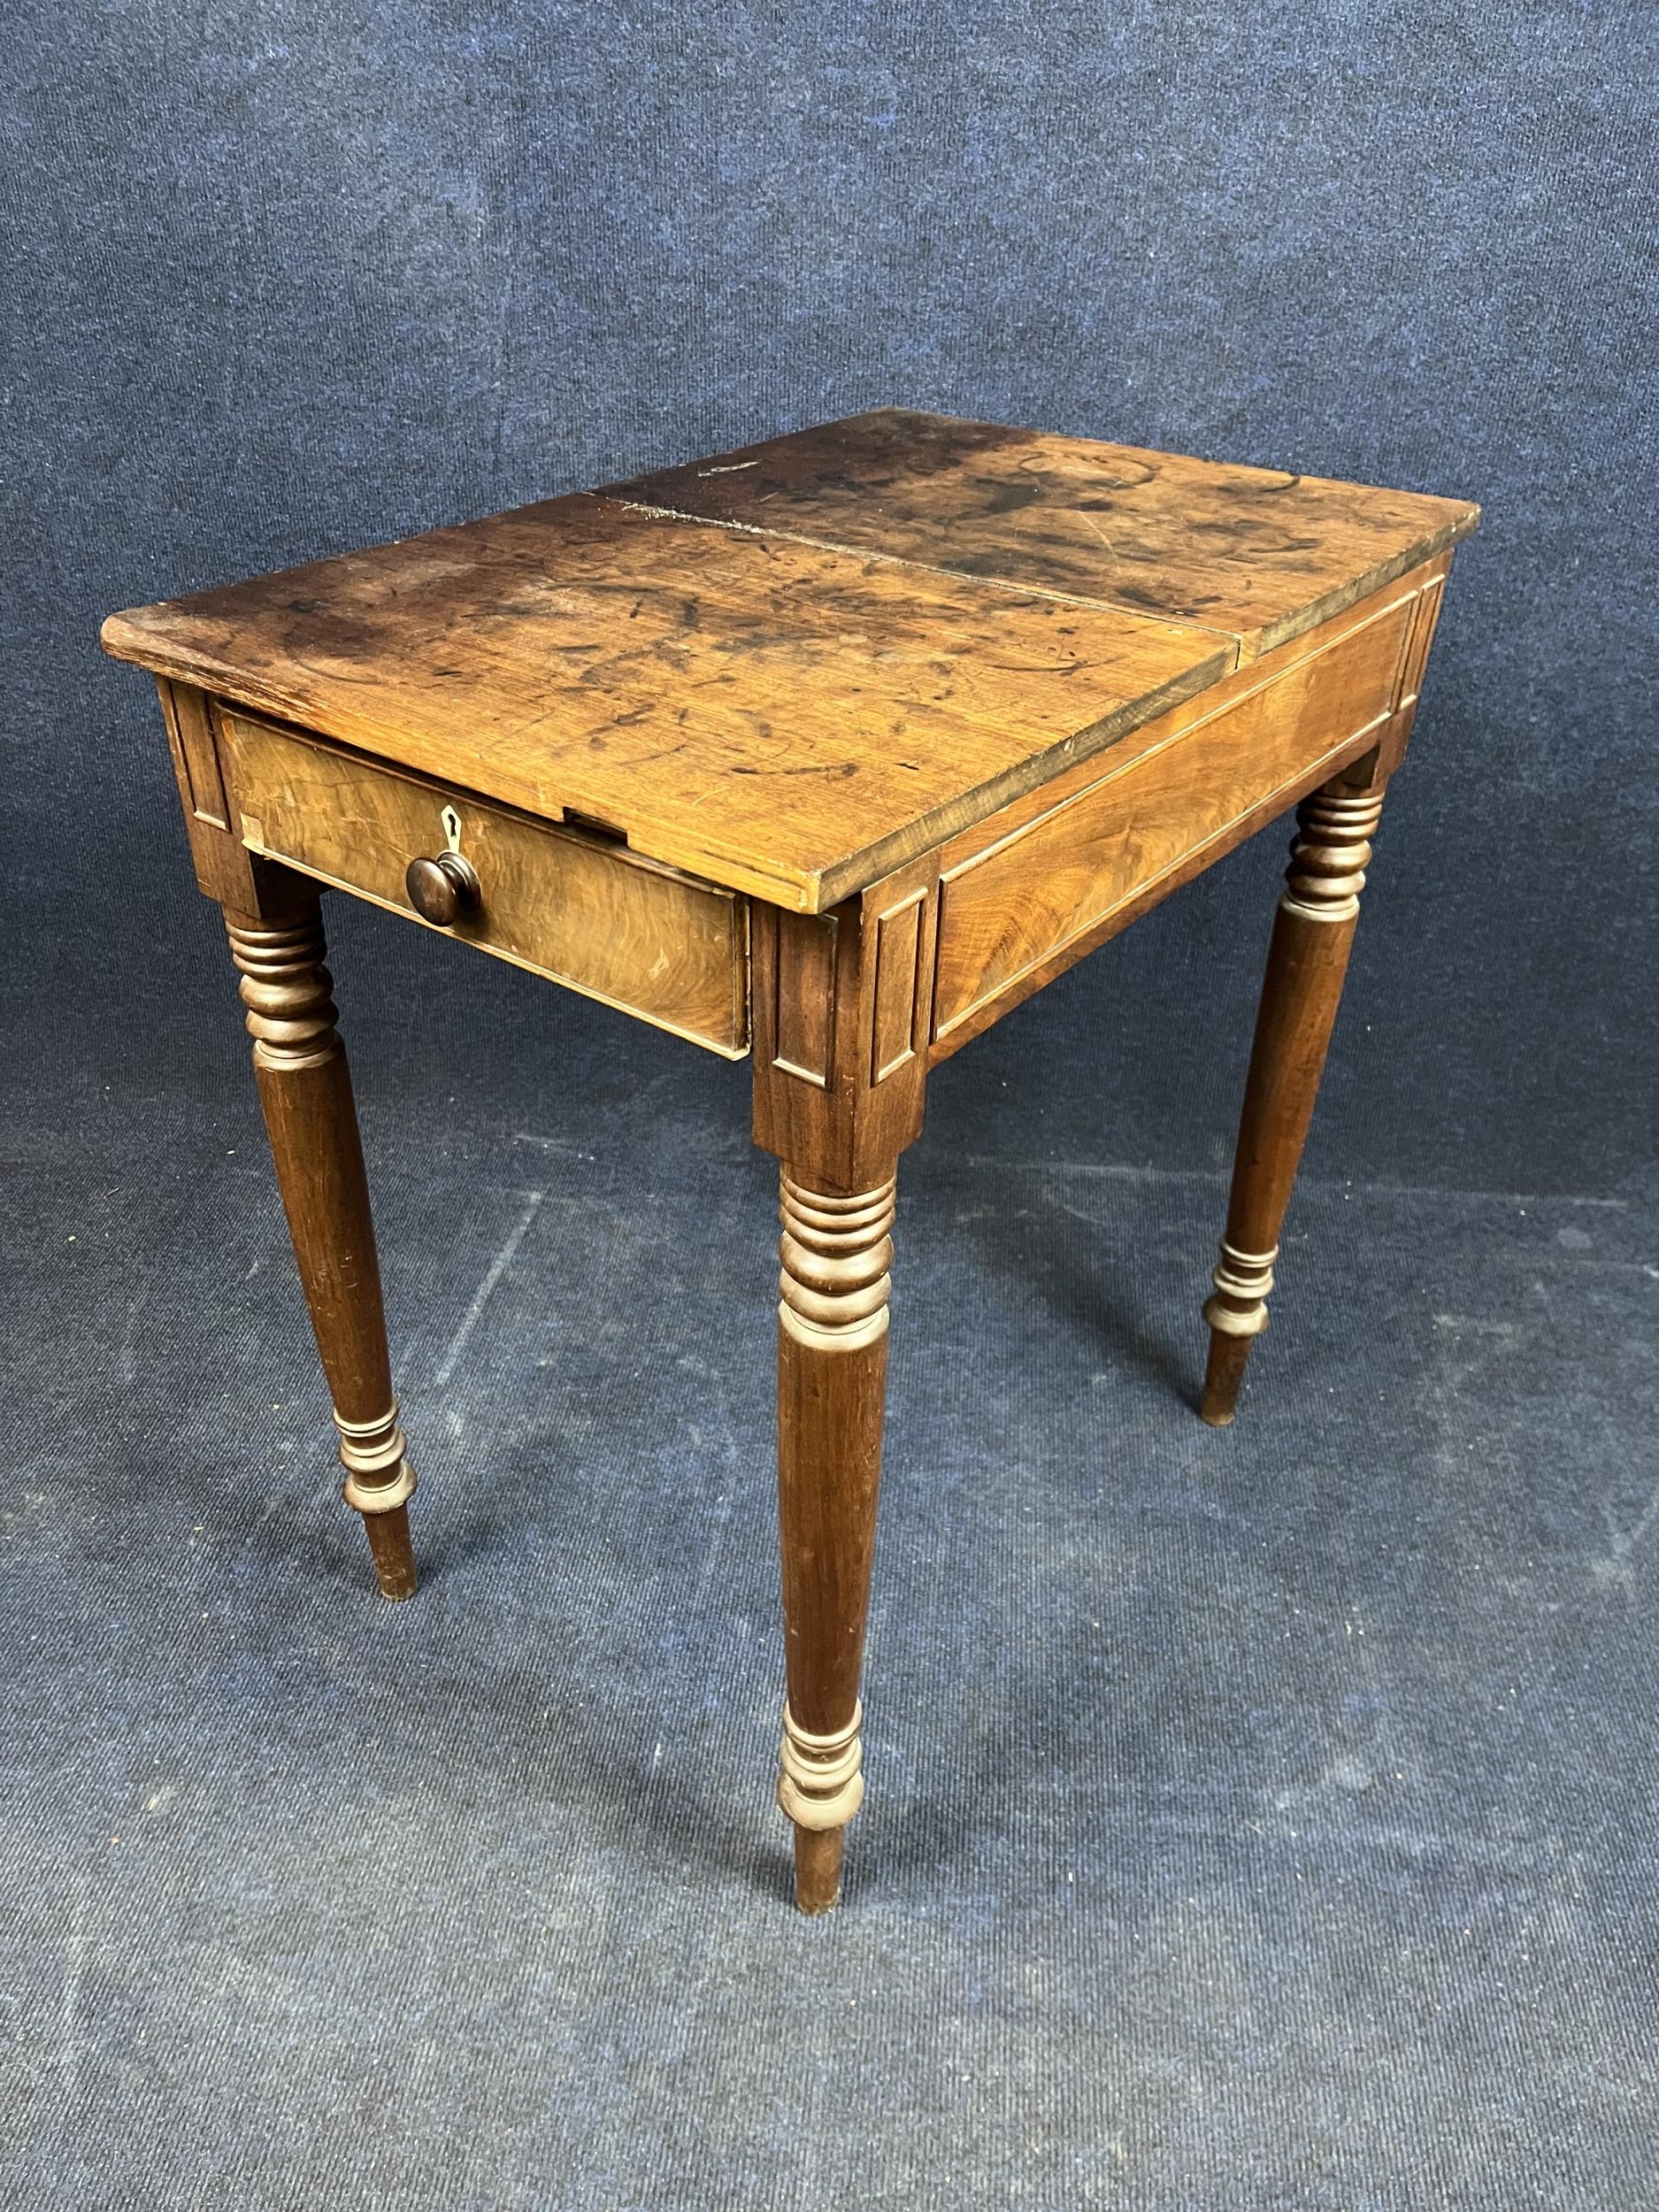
(1039, 886)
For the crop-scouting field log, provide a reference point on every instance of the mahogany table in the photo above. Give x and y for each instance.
(831, 750)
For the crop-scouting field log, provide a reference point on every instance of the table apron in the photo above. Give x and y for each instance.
(1037, 887)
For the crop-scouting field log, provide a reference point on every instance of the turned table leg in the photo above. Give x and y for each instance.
(840, 1005)
(1313, 933)
(832, 1387)
(305, 1090)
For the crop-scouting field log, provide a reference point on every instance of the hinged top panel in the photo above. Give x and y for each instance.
(791, 669)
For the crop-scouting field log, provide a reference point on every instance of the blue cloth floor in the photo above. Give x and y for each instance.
(1260, 1817)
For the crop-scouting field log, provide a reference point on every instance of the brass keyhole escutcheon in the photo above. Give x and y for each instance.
(443, 889)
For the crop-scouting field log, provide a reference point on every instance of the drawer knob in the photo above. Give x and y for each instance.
(441, 890)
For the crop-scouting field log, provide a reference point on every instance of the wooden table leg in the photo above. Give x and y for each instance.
(841, 1002)
(836, 1252)
(305, 1090)
(1307, 960)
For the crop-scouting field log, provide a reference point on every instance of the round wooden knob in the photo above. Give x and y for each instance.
(441, 890)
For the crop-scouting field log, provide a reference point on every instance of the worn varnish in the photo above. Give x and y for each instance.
(1260, 555)
(767, 712)
(837, 747)
(772, 717)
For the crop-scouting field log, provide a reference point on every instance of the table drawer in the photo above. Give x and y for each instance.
(566, 902)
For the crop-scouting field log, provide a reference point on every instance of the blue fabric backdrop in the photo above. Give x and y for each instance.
(286, 278)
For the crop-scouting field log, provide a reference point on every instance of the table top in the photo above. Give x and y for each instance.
(792, 668)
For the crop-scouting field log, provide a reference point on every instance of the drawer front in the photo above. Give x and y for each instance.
(560, 901)
(1012, 908)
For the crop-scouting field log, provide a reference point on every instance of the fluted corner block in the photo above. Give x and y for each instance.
(837, 1257)
(1329, 854)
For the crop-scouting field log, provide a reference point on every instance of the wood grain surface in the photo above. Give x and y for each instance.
(561, 902)
(1259, 554)
(786, 716)
(771, 716)
(1048, 879)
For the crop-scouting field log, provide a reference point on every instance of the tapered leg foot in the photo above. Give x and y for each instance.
(393, 1553)
(818, 1868)
(1237, 1314)
(1224, 1379)
(1307, 961)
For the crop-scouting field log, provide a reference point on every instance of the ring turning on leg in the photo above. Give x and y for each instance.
(821, 1784)
(379, 1482)
(836, 1254)
(1237, 1314)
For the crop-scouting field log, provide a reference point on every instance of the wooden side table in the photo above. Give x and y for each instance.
(831, 749)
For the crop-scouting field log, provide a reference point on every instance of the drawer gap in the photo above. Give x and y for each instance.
(590, 826)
